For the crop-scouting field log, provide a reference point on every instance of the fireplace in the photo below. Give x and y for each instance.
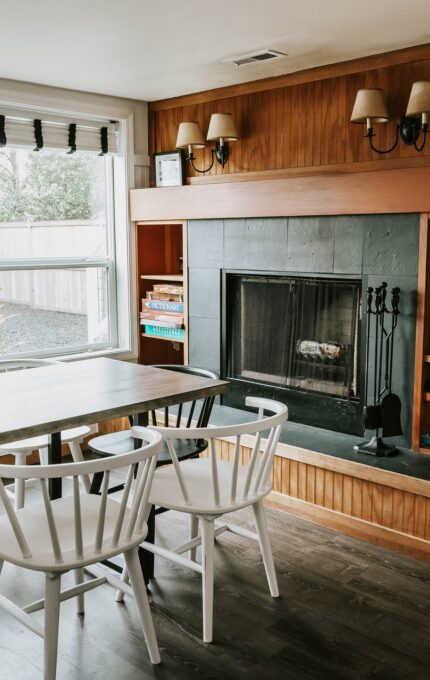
(295, 338)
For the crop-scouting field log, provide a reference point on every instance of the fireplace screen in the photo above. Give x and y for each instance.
(294, 332)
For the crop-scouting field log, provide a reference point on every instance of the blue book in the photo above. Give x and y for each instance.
(163, 305)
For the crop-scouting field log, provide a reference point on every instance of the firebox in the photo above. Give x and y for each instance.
(295, 338)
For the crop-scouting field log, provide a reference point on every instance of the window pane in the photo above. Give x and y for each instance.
(52, 204)
(56, 309)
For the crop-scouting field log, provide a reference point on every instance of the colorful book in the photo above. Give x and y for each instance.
(163, 324)
(170, 317)
(168, 288)
(168, 333)
(157, 295)
(163, 305)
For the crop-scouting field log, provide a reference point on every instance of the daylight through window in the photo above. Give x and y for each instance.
(57, 285)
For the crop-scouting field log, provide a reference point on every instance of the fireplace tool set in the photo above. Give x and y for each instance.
(382, 410)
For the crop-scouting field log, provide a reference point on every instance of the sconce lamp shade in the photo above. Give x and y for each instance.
(369, 104)
(189, 134)
(221, 126)
(419, 100)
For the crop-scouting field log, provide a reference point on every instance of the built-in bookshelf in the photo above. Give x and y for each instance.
(162, 264)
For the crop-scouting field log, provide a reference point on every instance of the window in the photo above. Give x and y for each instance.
(57, 252)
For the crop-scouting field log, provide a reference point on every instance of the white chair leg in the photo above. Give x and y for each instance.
(119, 597)
(194, 531)
(208, 539)
(20, 459)
(43, 456)
(52, 615)
(266, 550)
(77, 456)
(137, 583)
(80, 599)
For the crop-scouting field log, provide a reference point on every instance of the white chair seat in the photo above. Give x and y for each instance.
(41, 442)
(34, 523)
(166, 491)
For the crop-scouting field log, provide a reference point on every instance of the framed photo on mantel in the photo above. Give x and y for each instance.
(169, 169)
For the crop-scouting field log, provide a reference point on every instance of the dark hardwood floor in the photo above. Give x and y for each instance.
(347, 611)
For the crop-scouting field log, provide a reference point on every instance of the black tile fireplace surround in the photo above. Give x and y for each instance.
(366, 248)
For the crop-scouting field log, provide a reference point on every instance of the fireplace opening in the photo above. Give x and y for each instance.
(298, 338)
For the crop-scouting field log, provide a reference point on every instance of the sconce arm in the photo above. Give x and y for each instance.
(369, 134)
(192, 159)
(424, 129)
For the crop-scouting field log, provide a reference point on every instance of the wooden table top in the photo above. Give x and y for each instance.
(54, 398)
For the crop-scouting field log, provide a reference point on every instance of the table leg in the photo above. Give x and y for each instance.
(54, 457)
(146, 558)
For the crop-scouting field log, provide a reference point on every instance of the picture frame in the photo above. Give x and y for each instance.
(169, 168)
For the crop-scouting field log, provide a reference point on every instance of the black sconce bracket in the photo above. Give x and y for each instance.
(221, 153)
(408, 130)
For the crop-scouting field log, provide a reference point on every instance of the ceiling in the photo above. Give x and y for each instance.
(153, 49)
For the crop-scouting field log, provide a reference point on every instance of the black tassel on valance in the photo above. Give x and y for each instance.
(104, 141)
(38, 134)
(3, 140)
(72, 138)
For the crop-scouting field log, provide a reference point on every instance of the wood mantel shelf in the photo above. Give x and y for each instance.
(384, 191)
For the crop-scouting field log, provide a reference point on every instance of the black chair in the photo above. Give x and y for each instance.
(122, 442)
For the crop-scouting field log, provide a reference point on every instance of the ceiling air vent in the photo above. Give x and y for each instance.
(254, 57)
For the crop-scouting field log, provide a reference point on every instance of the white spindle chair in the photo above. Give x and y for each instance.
(78, 530)
(207, 488)
(20, 450)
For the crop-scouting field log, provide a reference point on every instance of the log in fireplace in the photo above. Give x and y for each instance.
(295, 337)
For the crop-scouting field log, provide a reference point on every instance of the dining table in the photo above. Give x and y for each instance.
(53, 398)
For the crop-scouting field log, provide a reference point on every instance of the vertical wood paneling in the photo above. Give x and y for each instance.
(366, 512)
(408, 513)
(302, 480)
(338, 492)
(382, 505)
(285, 480)
(328, 489)
(357, 497)
(398, 506)
(319, 486)
(293, 488)
(347, 495)
(300, 125)
(310, 484)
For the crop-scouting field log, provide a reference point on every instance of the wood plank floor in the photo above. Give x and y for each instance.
(347, 611)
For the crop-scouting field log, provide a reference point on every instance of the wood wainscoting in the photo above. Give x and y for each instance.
(385, 508)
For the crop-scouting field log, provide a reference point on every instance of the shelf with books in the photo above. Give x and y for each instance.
(162, 292)
(163, 277)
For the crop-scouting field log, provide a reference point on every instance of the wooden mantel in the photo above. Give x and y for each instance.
(384, 191)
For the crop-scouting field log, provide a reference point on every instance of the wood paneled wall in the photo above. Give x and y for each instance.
(302, 121)
(381, 507)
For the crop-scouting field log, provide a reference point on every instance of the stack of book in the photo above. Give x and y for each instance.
(162, 312)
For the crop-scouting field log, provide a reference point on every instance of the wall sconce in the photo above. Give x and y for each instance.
(370, 107)
(222, 130)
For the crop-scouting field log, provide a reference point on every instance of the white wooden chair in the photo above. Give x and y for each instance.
(79, 530)
(207, 488)
(24, 448)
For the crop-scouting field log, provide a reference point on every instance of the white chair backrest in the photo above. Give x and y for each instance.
(138, 466)
(259, 467)
(21, 364)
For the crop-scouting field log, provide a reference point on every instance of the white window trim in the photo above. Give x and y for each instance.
(123, 268)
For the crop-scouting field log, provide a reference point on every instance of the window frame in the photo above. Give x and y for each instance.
(117, 262)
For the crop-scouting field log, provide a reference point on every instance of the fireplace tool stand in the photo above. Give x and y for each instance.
(383, 413)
